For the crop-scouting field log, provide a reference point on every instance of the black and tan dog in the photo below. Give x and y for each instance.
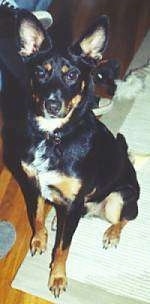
(54, 145)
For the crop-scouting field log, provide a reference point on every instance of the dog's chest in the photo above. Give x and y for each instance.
(53, 184)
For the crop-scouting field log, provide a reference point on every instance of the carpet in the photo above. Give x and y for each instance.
(7, 237)
(96, 275)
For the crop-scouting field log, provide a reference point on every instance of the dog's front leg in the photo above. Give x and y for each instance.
(36, 214)
(40, 235)
(57, 279)
(67, 222)
(35, 208)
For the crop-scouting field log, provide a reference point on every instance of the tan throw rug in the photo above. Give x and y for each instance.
(97, 275)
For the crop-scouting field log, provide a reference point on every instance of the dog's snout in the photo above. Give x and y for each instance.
(53, 105)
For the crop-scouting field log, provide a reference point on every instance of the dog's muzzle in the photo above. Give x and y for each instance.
(53, 106)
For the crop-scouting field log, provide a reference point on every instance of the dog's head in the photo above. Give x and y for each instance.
(60, 80)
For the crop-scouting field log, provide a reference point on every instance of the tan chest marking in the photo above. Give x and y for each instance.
(64, 186)
(69, 187)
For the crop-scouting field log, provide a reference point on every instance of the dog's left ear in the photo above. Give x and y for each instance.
(93, 43)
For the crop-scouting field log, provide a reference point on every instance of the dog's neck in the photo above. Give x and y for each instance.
(59, 129)
(56, 130)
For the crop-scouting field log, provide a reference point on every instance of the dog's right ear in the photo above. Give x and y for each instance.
(31, 34)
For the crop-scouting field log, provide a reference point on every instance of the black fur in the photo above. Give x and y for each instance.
(78, 150)
(106, 73)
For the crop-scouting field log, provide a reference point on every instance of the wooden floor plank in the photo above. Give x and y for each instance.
(13, 209)
(5, 177)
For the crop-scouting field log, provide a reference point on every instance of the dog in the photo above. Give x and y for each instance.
(58, 151)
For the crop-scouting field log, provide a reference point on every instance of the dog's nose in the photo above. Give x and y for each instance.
(53, 106)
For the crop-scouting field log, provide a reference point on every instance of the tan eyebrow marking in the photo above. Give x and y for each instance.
(65, 69)
(48, 66)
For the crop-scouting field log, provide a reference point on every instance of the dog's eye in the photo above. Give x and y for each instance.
(40, 73)
(72, 75)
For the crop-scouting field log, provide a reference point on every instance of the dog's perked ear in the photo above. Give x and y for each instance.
(21, 33)
(31, 34)
(92, 44)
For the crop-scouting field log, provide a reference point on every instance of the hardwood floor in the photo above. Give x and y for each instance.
(129, 22)
(13, 209)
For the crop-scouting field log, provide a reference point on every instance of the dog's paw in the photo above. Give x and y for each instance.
(111, 237)
(57, 284)
(39, 242)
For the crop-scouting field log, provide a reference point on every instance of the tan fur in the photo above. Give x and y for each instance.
(31, 37)
(113, 207)
(39, 240)
(65, 186)
(40, 214)
(64, 69)
(48, 66)
(82, 85)
(75, 100)
(60, 256)
(91, 44)
(58, 269)
(112, 234)
(115, 230)
(58, 186)
(109, 209)
(28, 169)
(69, 187)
